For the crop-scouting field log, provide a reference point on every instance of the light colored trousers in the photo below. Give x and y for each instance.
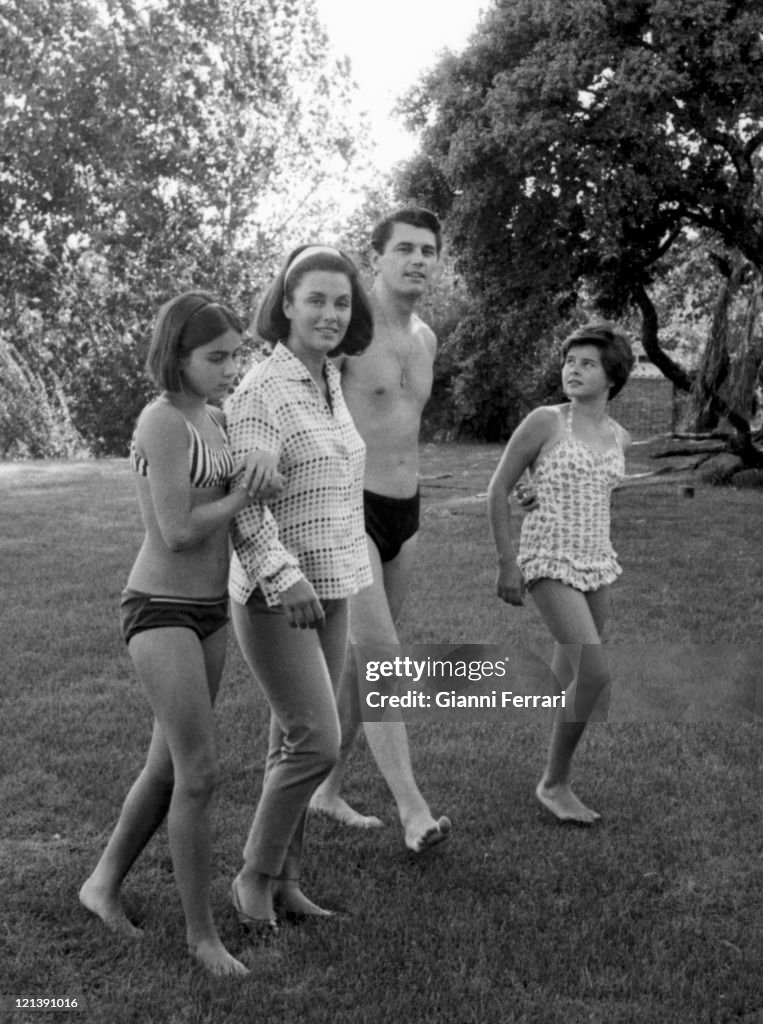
(298, 671)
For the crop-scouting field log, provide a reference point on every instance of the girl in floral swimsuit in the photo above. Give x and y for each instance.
(575, 454)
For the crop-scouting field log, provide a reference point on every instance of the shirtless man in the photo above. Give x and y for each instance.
(386, 389)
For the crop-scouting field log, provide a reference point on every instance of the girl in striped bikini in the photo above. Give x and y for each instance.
(175, 608)
(566, 563)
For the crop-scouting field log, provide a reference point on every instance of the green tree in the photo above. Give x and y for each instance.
(573, 144)
(150, 147)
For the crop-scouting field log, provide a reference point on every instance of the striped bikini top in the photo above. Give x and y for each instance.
(209, 467)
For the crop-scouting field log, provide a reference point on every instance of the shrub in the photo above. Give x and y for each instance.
(35, 421)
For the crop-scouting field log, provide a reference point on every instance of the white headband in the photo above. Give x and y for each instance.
(312, 250)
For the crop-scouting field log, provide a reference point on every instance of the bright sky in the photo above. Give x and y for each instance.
(390, 43)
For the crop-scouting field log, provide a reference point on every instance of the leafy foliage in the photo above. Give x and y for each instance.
(573, 143)
(147, 148)
(35, 420)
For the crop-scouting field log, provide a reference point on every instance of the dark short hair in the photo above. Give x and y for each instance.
(273, 324)
(415, 216)
(183, 324)
(614, 347)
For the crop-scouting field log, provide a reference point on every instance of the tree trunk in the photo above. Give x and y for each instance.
(716, 361)
(714, 367)
(725, 382)
(747, 360)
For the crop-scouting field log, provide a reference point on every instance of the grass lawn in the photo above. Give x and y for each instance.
(654, 917)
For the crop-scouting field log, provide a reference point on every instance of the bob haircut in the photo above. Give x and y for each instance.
(415, 216)
(616, 355)
(183, 324)
(272, 323)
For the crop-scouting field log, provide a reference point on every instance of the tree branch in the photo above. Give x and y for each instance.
(650, 340)
(753, 144)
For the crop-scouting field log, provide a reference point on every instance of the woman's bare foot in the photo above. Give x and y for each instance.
(337, 808)
(215, 958)
(109, 908)
(423, 832)
(293, 903)
(560, 801)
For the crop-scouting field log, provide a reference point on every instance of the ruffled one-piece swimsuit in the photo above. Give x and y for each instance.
(566, 537)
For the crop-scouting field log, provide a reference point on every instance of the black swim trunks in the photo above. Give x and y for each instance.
(156, 611)
(390, 522)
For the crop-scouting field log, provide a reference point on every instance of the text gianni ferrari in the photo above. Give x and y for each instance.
(429, 669)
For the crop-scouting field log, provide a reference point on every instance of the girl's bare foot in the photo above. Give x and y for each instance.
(560, 801)
(423, 832)
(215, 958)
(337, 808)
(108, 907)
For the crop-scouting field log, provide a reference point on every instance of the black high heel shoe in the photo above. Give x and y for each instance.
(263, 927)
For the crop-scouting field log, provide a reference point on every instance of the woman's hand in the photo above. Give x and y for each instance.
(301, 606)
(509, 584)
(526, 496)
(270, 491)
(261, 479)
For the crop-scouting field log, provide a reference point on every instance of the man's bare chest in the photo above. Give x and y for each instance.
(391, 373)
